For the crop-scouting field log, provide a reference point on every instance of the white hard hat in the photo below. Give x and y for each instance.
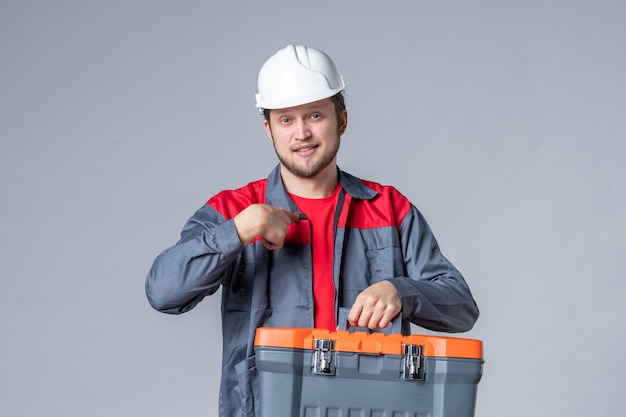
(297, 75)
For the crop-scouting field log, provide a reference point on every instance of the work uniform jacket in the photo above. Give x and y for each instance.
(379, 235)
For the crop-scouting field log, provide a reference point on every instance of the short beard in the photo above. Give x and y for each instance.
(313, 170)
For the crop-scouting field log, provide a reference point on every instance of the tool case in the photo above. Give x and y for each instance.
(318, 373)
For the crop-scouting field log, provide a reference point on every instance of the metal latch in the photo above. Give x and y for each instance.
(323, 358)
(412, 362)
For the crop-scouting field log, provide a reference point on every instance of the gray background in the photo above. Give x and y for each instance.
(503, 121)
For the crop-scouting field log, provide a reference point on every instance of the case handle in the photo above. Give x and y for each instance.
(395, 327)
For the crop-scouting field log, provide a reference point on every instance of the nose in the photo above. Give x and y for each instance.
(302, 131)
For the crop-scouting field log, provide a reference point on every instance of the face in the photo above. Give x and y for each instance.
(306, 138)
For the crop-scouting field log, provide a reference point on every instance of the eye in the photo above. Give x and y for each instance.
(316, 116)
(284, 120)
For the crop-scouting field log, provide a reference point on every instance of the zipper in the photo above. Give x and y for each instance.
(303, 217)
(338, 209)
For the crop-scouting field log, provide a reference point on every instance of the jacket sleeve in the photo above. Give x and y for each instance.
(434, 293)
(182, 275)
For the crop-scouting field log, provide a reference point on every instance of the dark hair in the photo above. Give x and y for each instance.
(338, 100)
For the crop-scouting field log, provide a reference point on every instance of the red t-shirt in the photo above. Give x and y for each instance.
(320, 212)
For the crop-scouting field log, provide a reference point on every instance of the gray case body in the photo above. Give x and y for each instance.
(364, 385)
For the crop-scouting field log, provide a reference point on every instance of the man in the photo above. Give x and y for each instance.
(311, 245)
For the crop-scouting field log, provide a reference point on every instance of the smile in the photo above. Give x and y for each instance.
(305, 149)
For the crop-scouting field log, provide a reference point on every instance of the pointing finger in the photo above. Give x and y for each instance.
(292, 216)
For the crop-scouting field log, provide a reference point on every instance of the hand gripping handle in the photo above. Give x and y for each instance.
(395, 327)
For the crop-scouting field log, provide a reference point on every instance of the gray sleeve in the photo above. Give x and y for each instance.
(434, 293)
(182, 275)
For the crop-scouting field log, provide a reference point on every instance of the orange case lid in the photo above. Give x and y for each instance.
(361, 342)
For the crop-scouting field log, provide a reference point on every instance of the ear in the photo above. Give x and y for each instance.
(268, 129)
(343, 122)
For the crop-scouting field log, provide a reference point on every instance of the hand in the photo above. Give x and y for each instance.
(268, 222)
(375, 306)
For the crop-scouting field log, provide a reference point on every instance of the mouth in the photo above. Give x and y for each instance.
(305, 150)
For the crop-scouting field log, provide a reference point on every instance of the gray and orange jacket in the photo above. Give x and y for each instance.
(379, 235)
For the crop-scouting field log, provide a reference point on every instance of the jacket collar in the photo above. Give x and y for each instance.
(276, 194)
